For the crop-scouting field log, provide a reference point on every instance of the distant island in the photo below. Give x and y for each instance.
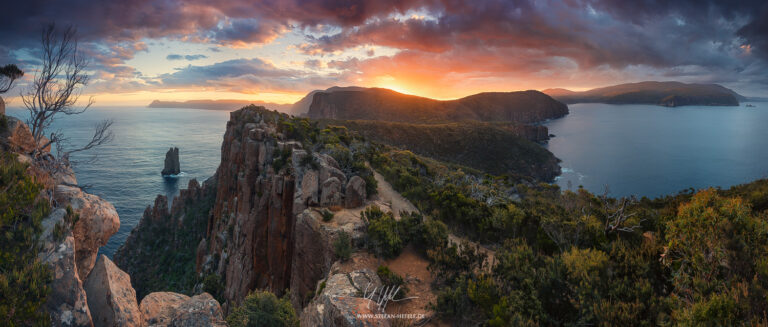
(219, 104)
(668, 94)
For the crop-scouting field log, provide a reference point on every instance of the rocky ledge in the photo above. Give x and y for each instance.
(87, 289)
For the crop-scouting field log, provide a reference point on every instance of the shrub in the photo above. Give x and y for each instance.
(384, 233)
(213, 285)
(23, 278)
(327, 215)
(390, 279)
(342, 246)
(263, 309)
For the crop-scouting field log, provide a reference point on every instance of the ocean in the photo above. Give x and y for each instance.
(127, 172)
(652, 151)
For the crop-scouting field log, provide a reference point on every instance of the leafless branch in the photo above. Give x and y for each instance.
(57, 84)
(617, 214)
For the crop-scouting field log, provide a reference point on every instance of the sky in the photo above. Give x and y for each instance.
(278, 50)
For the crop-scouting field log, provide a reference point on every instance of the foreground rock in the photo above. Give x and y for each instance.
(341, 302)
(355, 192)
(173, 309)
(98, 221)
(172, 166)
(67, 303)
(111, 298)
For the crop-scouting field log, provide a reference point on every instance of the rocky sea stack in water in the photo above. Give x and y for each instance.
(172, 166)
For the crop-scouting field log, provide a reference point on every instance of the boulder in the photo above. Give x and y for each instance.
(98, 221)
(111, 298)
(159, 308)
(309, 187)
(17, 136)
(330, 193)
(199, 311)
(341, 303)
(67, 302)
(172, 166)
(354, 194)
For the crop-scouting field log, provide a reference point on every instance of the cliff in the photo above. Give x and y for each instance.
(261, 221)
(85, 290)
(669, 94)
(388, 105)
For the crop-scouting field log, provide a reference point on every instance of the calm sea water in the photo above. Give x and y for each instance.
(652, 151)
(127, 172)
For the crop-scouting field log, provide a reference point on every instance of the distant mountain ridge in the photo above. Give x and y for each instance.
(388, 105)
(302, 106)
(231, 105)
(669, 94)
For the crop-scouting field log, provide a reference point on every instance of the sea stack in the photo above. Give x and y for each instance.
(172, 166)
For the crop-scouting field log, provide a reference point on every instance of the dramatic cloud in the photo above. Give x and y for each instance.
(445, 48)
(244, 75)
(185, 57)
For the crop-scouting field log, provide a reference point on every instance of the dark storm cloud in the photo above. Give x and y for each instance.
(482, 36)
(244, 75)
(174, 56)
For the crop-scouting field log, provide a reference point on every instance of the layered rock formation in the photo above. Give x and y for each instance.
(263, 228)
(159, 254)
(252, 228)
(171, 166)
(111, 298)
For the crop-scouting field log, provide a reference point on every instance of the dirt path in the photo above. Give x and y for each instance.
(388, 195)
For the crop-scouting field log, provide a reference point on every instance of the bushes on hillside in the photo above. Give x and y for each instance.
(263, 309)
(342, 246)
(23, 278)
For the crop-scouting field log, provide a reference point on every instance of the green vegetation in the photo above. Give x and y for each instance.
(213, 285)
(342, 246)
(23, 278)
(393, 280)
(263, 309)
(172, 243)
(327, 215)
(500, 148)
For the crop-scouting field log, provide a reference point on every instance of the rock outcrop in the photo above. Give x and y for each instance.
(341, 302)
(98, 221)
(263, 228)
(200, 310)
(172, 166)
(157, 252)
(86, 291)
(67, 303)
(159, 308)
(162, 309)
(355, 194)
(111, 298)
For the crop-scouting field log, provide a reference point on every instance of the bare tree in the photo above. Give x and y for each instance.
(8, 75)
(617, 217)
(55, 90)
